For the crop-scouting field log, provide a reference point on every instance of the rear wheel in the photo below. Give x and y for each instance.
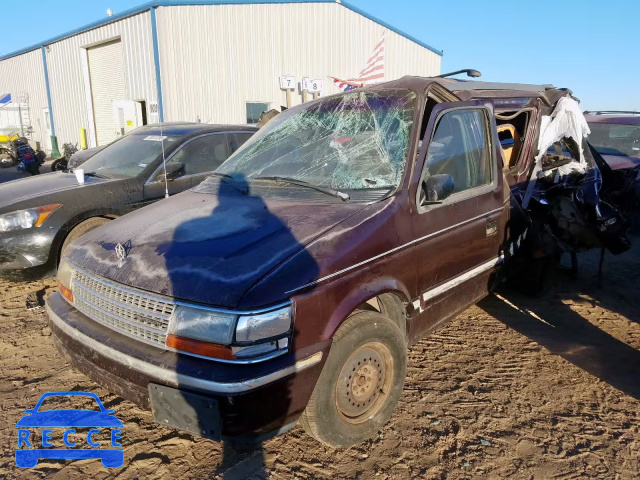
(6, 160)
(361, 382)
(81, 229)
(59, 164)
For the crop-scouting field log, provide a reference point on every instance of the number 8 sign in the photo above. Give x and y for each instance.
(315, 86)
(312, 86)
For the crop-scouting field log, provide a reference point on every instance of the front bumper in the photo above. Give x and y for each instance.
(253, 401)
(26, 254)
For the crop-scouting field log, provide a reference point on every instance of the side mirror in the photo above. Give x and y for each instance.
(174, 170)
(437, 188)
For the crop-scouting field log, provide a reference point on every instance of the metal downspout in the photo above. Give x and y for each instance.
(156, 61)
(55, 153)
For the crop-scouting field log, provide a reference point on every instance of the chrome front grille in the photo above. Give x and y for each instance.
(138, 315)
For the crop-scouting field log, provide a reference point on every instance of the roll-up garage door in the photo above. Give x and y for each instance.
(106, 73)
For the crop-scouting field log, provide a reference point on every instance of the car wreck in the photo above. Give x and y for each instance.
(288, 285)
(563, 194)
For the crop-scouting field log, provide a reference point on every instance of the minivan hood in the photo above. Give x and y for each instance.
(205, 248)
(25, 189)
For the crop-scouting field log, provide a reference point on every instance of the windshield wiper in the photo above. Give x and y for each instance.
(220, 174)
(294, 181)
(95, 174)
(226, 176)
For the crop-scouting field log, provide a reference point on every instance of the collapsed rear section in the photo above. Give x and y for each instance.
(569, 200)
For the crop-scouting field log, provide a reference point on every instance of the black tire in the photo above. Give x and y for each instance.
(3, 160)
(81, 229)
(59, 165)
(369, 353)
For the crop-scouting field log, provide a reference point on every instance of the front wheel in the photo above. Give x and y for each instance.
(361, 382)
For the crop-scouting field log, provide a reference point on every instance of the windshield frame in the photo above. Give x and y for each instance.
(410, 147)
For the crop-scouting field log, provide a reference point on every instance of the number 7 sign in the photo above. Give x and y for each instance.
(288, 82)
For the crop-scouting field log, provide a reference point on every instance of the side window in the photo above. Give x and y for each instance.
(236, 140)
(203, 154)
(254, 110)
(460, 148)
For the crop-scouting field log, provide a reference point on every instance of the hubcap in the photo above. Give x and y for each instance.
(363, 382)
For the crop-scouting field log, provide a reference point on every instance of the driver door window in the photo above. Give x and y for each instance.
(460, 149)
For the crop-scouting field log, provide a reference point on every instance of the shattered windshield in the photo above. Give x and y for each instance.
(358, 140)
(613, 139)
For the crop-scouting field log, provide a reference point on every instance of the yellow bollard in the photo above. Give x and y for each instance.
(83, 138)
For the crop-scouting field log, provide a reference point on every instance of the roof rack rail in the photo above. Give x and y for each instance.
(611, 112)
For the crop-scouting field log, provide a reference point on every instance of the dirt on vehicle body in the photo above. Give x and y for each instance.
(344, 231)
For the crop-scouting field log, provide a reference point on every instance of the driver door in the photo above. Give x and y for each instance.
(460, 234)
(197, 158)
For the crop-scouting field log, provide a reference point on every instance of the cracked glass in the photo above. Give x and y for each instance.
(358, 140)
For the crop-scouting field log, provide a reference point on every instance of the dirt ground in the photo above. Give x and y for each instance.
(517, 387)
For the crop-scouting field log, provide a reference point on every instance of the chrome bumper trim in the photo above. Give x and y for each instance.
(173, 378)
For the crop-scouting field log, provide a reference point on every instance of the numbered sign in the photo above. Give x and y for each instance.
(315, 86)
(287, 82)
(312, 86)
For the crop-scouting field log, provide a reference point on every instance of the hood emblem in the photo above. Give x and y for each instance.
(120, 252)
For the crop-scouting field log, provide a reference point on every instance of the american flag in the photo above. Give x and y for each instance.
(373, 71)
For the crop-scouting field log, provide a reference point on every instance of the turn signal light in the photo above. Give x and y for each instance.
(66, 292)
(44, 212)
(199, 347)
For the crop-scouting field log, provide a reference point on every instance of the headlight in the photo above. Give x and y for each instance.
(30, 218)
(202, 324)
(227, 336)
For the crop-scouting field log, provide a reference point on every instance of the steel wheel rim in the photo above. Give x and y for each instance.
(364, 382)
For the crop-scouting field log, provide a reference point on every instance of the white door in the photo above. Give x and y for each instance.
(46, 135)
(127, 115)
(106, 74)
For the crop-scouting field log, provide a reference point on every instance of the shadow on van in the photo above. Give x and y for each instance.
(238, 222)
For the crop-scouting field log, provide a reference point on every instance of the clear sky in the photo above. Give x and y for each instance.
(589, 46)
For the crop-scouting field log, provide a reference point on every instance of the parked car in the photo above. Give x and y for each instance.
(616, 136)
(289, 286)
(41, 215)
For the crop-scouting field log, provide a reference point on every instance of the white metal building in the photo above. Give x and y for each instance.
(213, 61)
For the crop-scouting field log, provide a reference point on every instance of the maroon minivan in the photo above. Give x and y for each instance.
(288, 286)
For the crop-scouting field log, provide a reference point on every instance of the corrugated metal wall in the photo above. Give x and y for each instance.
(24, 74)
(215, 58)
(66, 74)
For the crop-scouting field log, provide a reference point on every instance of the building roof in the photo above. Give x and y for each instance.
(173, 3)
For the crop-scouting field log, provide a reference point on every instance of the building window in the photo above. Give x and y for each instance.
(254, 110)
